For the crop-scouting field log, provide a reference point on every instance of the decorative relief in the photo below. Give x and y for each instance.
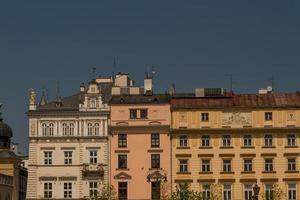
(237, 119)
(291, 116)
(182, 117)
(33, 128)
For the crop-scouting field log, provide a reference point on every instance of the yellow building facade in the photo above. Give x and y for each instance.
(236, 141)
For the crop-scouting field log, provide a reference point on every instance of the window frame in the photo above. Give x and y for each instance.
(68, 187)
(68, 157)
(155, 140)
(93, 157)
(122, 140)
(268, 116)
(155, 161)
(205, 117)
(122, 161)
(269, 166)
(227, 165)
(48, 189)
(205, 141)
(183, 141)
(205, 165)
(183, 165)
(48, 157)
(226, 140)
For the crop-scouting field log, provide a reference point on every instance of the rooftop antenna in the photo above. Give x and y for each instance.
(58, 97)
(273, 82)
(115, 64)
(230, 82)
(94, 73)
(1, 112)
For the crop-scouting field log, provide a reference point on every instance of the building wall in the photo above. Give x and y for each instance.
(138, 148)
(242, 122)
(6, 187)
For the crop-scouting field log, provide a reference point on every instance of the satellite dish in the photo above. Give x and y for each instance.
(269, 89)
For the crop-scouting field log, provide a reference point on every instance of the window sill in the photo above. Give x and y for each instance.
(183, 147)
(226, 172)
(269, 172)
(268, 147)
(291, 172)
(248, 172)
(183, 173)
(230, 147)
(122, 169)
(205, 172)
(248, 147)
(291, 147)
(209, 147)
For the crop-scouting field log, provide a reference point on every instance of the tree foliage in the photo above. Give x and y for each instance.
(106, 192)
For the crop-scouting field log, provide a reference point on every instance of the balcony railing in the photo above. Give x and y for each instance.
(93, 171)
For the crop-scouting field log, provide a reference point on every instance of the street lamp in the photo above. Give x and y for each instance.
(256, 189)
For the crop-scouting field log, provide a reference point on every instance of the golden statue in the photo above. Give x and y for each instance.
(32, 98)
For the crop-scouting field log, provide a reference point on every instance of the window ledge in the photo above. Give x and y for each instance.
(122, 169)
(183, 173)
(292, 172)
(230, 147)
(226, 172)
(205, 147)
(183, 147)
(248, 172)
(248, 147)
(291, 146)
(205, 172)
(268, 147)
(269, 172)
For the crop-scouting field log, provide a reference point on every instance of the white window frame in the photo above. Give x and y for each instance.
(48, 189)
(93, 157)
(48, 156)
(68, 157)
(68, 189)
(227, 194)
(292, 191)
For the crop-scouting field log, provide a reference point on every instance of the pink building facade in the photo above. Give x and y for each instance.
(140, 146)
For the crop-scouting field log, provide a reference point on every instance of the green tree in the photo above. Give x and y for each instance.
(277, 193)
(106, 192)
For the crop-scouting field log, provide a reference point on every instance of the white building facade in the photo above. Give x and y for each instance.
(68, 152)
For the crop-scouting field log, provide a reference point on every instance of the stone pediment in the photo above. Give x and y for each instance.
(122, 175)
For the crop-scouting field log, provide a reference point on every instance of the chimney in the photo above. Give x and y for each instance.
(148, 85)
(82, 87)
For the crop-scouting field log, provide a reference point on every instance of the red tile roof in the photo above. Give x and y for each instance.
(276, 100)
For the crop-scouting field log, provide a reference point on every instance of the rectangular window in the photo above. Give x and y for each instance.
(155, 141)
(133, 113)
(205, 141)
(48, 157)
(227, 192)
(291, 164)
(269, 192)
(93, 188)
(248, 192)
(205, 165)
(269, 140)
(68, 190)
(155, 161)
(226, 165)
(291, 140)
(183, 141)
(268, 116)
(292, 191)
(122, 140)
(68, 157)
(247, 140)
(204, 117)
(226, 140)
(122, 161)
(183, 165)
(206, 191)
(144, 113)
(93, 157)
(248, 165)
(47, 190)
(268, 165)
(122, 190)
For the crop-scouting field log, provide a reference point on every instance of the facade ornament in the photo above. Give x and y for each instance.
(32, 97)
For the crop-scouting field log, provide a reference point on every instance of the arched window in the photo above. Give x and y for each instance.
(93, 103)
(96, 127)
(65, 129)
(51, 129)
(90, 129)
(71, 129)
(44, 129)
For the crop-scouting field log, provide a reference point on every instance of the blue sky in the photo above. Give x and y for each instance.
(191, 43)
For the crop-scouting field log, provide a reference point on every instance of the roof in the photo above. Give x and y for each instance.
(68, 103)
(5, 130)
(275, 100)
(8, 154)
(140, 99)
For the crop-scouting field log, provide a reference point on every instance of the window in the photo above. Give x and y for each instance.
(44, 129)
(292, 191)
(122, 140)
(291, 164)
(133, 113)
(68, 190)
(183, 141)
(144, 113)
(248, 165)
(155, 190)
(71, 129)
(51, 129)
(268, 165)
(247, 140)
(155, 161)
(205, 141)
(65, 129)
(96, 128)
(227, 192)
(268, 140)
(93, 188)
(47, 190)
(206, 191)
(90, 129)
(183, 165)
(47, 130)
(48, 157)
(248, 192)
(68, 157)
(269, 192)
(268, 116)
(291, 140)
(122, 190)
(226, 165)
(204, 117)
(226, 140)
(205, 165)
(93, 157)
(155, 141)
(122, 161)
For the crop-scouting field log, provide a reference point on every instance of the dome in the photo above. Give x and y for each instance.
(5, 130)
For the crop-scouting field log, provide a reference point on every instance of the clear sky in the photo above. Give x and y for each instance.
(192, 44)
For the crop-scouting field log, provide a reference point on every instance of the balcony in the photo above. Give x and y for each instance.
(93, 171)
